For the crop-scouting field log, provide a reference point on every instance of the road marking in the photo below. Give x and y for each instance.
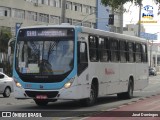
(110, 109)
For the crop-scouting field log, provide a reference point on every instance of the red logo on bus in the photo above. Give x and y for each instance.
(109, 71)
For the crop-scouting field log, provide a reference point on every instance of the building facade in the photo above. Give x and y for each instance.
(36, 12)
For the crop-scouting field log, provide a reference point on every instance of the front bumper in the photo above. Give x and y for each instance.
(72, 93)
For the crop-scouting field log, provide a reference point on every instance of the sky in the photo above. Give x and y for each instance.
(132, 16)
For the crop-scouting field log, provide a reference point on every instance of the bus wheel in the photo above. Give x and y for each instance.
(41, 102)
(92, 99)
(128, 94)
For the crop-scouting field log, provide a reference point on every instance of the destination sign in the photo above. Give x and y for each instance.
(46, 33)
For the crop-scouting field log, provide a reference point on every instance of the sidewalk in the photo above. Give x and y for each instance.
(144, 109)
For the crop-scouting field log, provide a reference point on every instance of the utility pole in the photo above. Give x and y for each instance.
(63, 11)
(121, 19)
(139, 23)
(151, 54)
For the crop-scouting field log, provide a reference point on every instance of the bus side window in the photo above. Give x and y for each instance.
(114, 50)
(123, 51)
(82, 57)
(93, 49)
(104, 52)
(138, 51)
(144, 53)
(131, 56)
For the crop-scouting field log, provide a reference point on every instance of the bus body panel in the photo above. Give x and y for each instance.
(113, 77)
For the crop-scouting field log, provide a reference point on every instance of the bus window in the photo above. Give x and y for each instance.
(144, 53)
(93, 48)
(123, 52)
(138, 52)
(114, 50)
(104, 53)
(130, 55)
(82, 57)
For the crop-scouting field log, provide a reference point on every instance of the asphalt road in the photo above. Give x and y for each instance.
(72, 109)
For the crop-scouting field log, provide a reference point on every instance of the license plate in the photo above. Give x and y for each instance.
(41, 97)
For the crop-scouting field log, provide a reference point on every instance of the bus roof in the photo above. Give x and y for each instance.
(112, 34)
(92, 31)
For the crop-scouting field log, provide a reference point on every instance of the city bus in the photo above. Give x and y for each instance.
(66, 62)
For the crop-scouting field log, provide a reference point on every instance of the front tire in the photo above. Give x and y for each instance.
(93, 97)
(7, 92)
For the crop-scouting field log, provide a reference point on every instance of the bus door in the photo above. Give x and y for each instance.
(82, 70)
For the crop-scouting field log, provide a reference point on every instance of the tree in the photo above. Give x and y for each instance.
(115, 4)
(5, 36)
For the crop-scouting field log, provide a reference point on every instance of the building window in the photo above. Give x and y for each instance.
(86, 9)
(31, 15)
(18, 13)
(93, 10)
(55, 3)
(43, 18)
(69, 5)
(54, 19)
(77, 7)
(43, 2)
(93, 25)
(68, 20)
(5, 11)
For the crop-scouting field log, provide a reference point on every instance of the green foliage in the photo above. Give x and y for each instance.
(5, 36)
(116, 3)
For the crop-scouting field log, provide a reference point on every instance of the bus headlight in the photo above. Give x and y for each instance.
(17, 83)
(69, 83)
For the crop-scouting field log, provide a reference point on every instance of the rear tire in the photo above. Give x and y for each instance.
(129, 93)
(41, 102)
(93, 97)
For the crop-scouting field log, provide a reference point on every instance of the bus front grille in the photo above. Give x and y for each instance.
(49, 94)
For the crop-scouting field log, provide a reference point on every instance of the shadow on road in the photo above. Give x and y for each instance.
(72, 105)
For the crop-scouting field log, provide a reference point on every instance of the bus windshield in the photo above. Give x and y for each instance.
(44, 55)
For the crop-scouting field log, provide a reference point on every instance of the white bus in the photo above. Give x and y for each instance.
(68, 62)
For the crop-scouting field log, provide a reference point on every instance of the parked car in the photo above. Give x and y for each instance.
(152, 71)
(6, 85)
